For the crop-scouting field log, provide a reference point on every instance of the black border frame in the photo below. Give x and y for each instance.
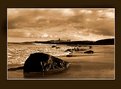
(4, 4)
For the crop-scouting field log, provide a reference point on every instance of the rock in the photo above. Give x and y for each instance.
(44, 63)
(90, 47)
(89, 52)
(69, 55)
(69, 50)
(53, 46)
(57, 47)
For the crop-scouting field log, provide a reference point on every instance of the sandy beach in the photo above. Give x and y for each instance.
(84, 70)
(95, 66)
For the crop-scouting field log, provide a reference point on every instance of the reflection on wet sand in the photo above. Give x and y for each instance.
(98, 65)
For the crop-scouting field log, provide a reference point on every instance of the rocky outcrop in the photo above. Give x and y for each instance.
(89, 52)
(44, 63)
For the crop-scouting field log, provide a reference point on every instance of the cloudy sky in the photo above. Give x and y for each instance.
(26, 24)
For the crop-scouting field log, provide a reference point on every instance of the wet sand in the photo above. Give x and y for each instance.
(97, 66)
(78, 70)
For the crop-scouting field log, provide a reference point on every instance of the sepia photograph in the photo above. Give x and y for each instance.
(60, 43)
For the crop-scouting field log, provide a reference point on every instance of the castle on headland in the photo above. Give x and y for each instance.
(59, 41)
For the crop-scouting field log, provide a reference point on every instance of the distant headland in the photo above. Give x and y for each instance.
(109, 41)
